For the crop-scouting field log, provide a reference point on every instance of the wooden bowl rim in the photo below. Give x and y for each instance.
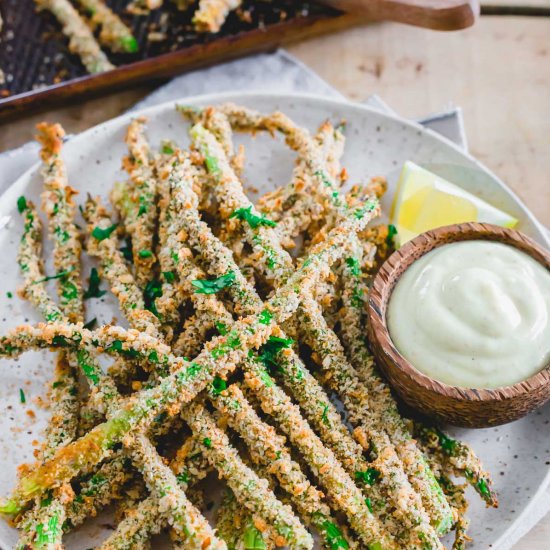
(431, 240)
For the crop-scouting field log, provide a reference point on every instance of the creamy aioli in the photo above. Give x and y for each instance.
(474, 314)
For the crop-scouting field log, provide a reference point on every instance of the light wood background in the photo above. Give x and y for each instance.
(498, 71)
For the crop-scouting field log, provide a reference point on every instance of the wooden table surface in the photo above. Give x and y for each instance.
(498, 72)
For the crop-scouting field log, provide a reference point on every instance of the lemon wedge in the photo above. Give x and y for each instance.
(425, 201)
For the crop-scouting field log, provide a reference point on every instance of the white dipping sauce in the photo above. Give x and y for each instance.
(474, 314)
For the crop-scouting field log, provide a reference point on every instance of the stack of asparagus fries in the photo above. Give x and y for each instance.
(80, 18)
(269, 301)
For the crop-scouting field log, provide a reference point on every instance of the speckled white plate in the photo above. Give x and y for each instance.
(377, 144)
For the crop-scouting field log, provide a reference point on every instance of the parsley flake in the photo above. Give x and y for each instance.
(169, 276)
(331, 533)
(265, 317)
(269, 351)
(392, 232)
(93, 289)
(204, 286)
(255, 221)
(369, 476)
(21, 204)
(22, 397)
(59, 275)
(153, 290)
(102, 234)
(219, 385)
(353, 264)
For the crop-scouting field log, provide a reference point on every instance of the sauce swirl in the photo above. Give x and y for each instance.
(473, 314)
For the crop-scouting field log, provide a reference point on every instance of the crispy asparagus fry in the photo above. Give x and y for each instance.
(183, 516)
(81, 38)
(141, 209)
(114, 33)
(211, 14)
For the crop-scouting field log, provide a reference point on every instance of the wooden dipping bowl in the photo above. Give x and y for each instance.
(471, 408)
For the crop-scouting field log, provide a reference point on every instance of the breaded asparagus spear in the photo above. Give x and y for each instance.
(81, 38)
(211, 14)
(103, 244)
(114, 33)
(140, 209)
(182, 515)
(58, 205)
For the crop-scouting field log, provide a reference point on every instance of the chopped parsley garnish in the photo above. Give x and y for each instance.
(219, 385)
(118, 347)
(353, 264)
(21, 204)
(129, 43)
(143, 205)
(9, 294)
(369, 476)
(89, 370)
(447, 443)
(221, 328)
(167, 149)
(253, 220)
(169, 276)
(268, 352)
(90, 325)
(331, 533)
(265, 317)
(204, 286)
(93, 289)
(369, 504)
(392, 232)
(324, 416)
(207, 442)
(153, 290)
(145, 254)
(183, 477)
(59, 275)
(22, 397)
(102, 234)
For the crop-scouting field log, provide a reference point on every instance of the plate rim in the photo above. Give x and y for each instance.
(219, 97)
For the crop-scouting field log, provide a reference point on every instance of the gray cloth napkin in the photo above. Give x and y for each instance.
(278, 72)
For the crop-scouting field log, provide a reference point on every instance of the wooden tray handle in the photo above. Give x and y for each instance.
(441, 15)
